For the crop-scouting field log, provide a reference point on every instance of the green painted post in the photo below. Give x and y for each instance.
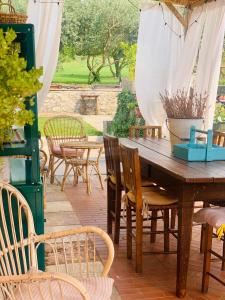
(31, 185)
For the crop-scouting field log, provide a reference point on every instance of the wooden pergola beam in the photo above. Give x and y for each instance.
(182, 19)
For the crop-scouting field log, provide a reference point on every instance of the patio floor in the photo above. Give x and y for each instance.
(74, 208)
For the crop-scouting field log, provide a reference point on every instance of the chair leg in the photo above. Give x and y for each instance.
(173, 218)
(129, 231)
(223, 261)
(99, 176)
(52, 175)
(66, 173)
(166, 230)
(139, 240)
(207, 259)
(153, 226)
(117, 216)
(87, 180)
(203, 238)
(109, 208)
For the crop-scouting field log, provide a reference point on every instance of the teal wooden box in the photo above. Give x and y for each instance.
(199, 152)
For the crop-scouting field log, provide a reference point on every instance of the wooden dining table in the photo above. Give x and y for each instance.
(189, 182)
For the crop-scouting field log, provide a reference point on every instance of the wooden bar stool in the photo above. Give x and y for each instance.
(145, 131)
(143, 202)
(115, 187)
(213, 218)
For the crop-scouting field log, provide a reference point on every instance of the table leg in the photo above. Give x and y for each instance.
(185, 214)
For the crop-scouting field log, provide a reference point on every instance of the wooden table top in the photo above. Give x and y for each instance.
(82, 145)
(157, 152)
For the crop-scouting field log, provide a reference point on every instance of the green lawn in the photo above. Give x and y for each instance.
(89, 130)
(77, 72)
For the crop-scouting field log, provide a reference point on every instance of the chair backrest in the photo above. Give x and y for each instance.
(112, 157)
(219, 138)
(132, 173)
(62, 129)
(145, 131)
(17, 252)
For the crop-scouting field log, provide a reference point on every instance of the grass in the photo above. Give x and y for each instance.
(76, 72)
(89, 130)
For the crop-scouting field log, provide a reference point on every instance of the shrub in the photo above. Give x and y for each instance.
(125, 115)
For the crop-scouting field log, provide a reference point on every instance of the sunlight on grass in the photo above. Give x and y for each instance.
(77, 72)
(89, 130)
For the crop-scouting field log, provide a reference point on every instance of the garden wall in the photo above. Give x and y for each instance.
(67, 99)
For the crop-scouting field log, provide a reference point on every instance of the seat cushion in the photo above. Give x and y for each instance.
(68, 152)
(153, 196)
(99, 288)
(144, 183)
(213, 216)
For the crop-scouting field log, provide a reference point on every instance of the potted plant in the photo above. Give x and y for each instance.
(183, 110)
(17, 87)
(126, 114)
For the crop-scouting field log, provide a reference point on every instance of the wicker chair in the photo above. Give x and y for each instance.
(59, 130)
(72, 252)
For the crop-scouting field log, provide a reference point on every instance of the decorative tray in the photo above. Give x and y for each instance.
(199, 152)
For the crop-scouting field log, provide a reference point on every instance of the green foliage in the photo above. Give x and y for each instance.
(95, 29)
(76, 72)
(20, 5)
(130, 57)
(17, 86)
(125, 115)
(219, 115)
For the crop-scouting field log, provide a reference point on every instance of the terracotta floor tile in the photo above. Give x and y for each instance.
(159, 271)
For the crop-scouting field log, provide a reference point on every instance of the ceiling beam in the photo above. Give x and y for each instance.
(182, 19)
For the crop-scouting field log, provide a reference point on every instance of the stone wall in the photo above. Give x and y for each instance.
(68, 100)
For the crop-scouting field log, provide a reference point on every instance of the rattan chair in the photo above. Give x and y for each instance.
(69, 254)
(145, 131)
(81, 166)
(59, 130)
(143, 202)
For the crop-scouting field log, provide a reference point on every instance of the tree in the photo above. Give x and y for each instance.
(95, 29)
(20, 5)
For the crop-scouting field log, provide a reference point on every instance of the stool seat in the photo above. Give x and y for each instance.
(215, 216)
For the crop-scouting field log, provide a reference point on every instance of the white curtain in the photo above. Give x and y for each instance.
(183, 75)
(157, 54)
(208, 68)
(154, 72)
(47, 18)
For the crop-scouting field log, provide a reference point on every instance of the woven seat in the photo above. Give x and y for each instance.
(144, 182)
(153, 196)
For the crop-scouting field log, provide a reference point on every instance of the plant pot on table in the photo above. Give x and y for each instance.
(179, 129)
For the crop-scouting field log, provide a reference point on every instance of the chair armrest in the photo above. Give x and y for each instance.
(20, 285)
(78, 246)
